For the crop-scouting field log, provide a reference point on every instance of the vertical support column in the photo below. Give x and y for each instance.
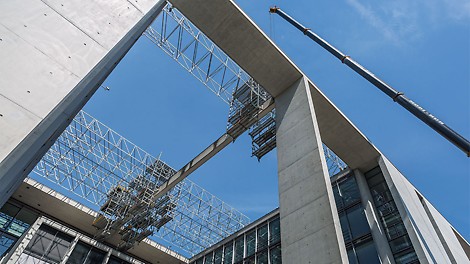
(310, 228)
(36, 138)
(380, 238)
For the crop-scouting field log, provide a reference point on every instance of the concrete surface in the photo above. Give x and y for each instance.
(310, 228)
(424, 236)
(55, 55)
(231, 30)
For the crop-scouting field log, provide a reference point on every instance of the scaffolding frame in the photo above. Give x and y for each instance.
(91, 160)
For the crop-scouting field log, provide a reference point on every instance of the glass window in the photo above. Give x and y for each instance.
(407, 256)
(275, 231)
(250, 243)
(49, 244)
(400, 243)
(228, 253)
(343, 220)
(262, 258)
(262, 237)
(6, 242)
(349, 191)
(250, 260)
(23, 220)
(275, 255)
(337, 196)
(367, 254)
(396, 231)
(209, 258)
(352, 257)
(200, 261)
(7, 213)
(116, 260)
(357, 222)
(85, 254)
(239, 248)
(218, 256)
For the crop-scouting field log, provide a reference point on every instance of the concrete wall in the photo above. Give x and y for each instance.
(54, 55)
(310, 228)
(429, 247)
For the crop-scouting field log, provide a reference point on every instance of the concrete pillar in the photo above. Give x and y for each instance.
(54, 57)
(310, 228)
(380, 238)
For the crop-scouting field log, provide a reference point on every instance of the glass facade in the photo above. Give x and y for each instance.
(356, 232)
(49, 245)
(86, 254)
(259, 245)
(15, 220)
(390, 219)
(262, 244)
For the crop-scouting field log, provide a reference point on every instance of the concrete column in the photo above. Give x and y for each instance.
(66, 51)
(310, 228)
(380, 238)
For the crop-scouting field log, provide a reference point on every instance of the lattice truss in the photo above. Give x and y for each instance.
(117, 178)
(196, 53)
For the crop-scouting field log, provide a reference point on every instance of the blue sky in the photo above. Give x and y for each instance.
(420, 47)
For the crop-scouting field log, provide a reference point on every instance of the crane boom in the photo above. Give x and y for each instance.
(418, 111)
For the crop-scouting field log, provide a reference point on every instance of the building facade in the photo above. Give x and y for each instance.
(372, 228)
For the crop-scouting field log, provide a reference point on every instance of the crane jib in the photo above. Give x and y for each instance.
(398, 97)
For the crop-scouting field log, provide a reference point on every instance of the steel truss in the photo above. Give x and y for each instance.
(195, 52)
(102, 168)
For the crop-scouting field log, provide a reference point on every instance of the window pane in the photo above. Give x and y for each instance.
(262, 258)
(95, 256)
(209, 259)
(239, 249)
(7, 213)
(250, 243)
(6, 242)
(352, 257)
(79, 254)
(400, 243)
(367, 254)
(275, 231)
(218, 256)
(116, 260)
(338, 199)
(250, 260)
(275, 255)
(228, 253)
(41, 241)
(349, 191)
(343, 220)
(358, 222)
(262, 237)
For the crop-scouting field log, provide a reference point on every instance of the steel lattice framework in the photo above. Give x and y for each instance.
(173, 33)
(90, 159)
(114, 176)
(196, 53)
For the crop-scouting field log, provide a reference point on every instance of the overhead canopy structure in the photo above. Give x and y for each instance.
(233, 32)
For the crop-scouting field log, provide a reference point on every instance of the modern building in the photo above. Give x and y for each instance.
(372, 227)
(74, 191)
